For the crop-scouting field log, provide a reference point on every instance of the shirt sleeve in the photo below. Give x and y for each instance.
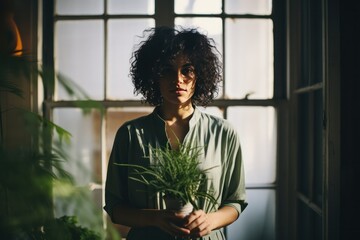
(116, 184)
(235, 192)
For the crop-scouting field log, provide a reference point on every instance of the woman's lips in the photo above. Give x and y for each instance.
(179, 90)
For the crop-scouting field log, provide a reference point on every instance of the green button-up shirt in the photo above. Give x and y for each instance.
(221, 148)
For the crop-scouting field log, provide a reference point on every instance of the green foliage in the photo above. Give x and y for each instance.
(75, 200)
(67, 228)
(26, 176)
(28, 172)
(63, 228)
(175, 174)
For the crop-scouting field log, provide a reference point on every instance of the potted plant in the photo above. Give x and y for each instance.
(176, 175)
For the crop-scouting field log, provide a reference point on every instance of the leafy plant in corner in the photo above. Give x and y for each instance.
(67, 227)
(28, 171)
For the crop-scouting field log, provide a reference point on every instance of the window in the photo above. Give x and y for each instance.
(308, 94)
(93, 42)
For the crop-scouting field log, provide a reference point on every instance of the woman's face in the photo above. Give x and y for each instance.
(177, 82)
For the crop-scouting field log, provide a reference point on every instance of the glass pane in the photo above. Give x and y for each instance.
(197, 6)
(305, 45)
(79, 7)
(79, 56)
(83, 200)
(212, 27)
(311, 43)
(249, 59)
(122, 38)
(303, 144)
(115, 117)
(84, 150)
(262, 7)
(316, 29)
(257, 222)
(318, 148)
(310, 223)
(131, 7)
(257, 129)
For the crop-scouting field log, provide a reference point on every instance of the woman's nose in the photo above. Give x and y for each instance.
(176, 77)
(180, 77)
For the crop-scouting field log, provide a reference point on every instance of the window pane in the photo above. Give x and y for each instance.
(198, 6)
(257, 222)
(84, 151)
(316, 41)
(311, 43)
(304, 146)
(257, 129)
(131, 7)
(212, 27)
(311, 223)
(83, 200)
(122, 38)
(262, 7)
(79, 7)
(310, 146)
(318, 147)
(79, 55)
(249, 58)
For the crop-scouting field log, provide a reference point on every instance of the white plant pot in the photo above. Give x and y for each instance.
(178, 206)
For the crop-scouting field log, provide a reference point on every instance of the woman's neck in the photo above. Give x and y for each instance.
(176, 122)
(173, 113)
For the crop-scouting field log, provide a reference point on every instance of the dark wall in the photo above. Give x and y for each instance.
(24, 15)
(350, 77)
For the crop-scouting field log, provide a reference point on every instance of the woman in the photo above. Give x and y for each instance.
(175, 71)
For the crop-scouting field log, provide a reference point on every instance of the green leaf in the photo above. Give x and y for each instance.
(174, 173)
(71, 87)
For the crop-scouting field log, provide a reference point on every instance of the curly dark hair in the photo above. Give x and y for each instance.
(163, 45)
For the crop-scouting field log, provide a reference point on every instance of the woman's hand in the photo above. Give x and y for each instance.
(168, 221)
(171, 222)
(199, 223)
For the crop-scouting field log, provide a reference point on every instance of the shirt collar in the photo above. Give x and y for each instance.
(192, 122)
(195, 117)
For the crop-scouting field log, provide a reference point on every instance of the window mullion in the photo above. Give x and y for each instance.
(164, 13)
(280, 88)
(48, 49)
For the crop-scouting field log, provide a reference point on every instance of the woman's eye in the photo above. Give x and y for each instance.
(188, 71)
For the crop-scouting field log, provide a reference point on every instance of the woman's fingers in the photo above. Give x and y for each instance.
(172, 223)
(198, 223)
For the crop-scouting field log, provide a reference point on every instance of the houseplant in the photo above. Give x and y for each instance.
(176, 175)
(33, 149)
(29, 168)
